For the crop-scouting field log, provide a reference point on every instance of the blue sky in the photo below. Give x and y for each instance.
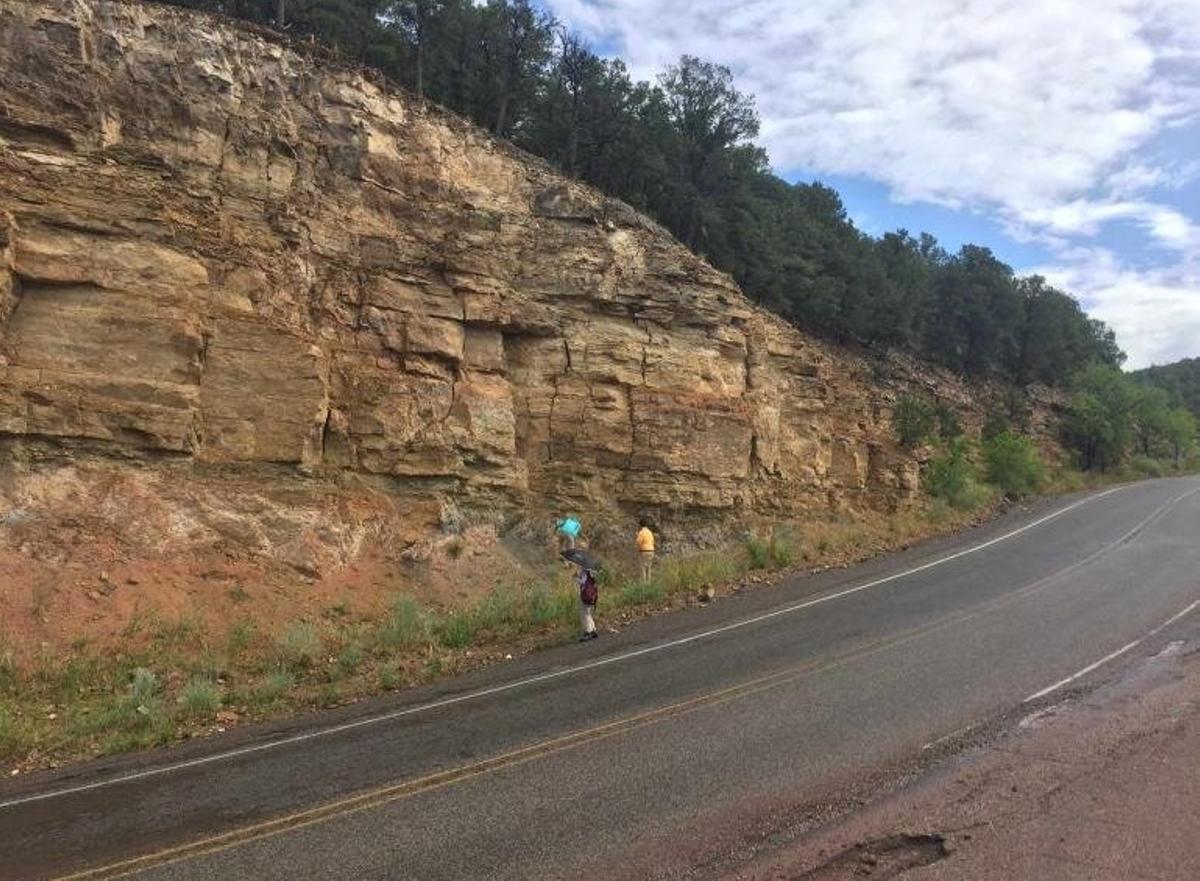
(870, 206)
(1064, 135)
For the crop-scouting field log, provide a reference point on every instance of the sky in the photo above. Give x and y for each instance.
(1065, 136)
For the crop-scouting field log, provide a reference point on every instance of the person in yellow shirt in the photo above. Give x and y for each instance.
(645, 547)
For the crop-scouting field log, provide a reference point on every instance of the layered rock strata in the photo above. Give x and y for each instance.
(225, 264)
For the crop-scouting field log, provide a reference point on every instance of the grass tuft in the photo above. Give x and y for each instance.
(406, 626)
(756, 552)
(200, 698)
(550, 606)
(456, 629)
(348, 661)
(272, 688)
(240, 637)
(639, 593)
(12, 740)
(389, 678)
(299, 645)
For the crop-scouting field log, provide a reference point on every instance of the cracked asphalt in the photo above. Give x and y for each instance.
(689, 746)
(1099, 786)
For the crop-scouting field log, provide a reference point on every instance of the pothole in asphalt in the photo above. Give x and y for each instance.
(880, 858)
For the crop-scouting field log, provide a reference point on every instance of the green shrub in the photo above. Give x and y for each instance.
(1144, 466)
(273, 687)
(389, 678)
(948, 426)
(914, 419)
(1067, 480)
(349, 659)
(781, 549)
(299, 644)
(776, 552)
(995, 424)
(758, 552)
(200, 698)
(8, 668)
(138, 711)
(407, 625)
(1012, 463)
(10, 733)
(143, 686)
(636, 592)
(241, 635)
(700, 569)
(949, 477)
(547, 605)
(455, 630)
(501, 610)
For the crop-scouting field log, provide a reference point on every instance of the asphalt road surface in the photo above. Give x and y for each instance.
(655, 753)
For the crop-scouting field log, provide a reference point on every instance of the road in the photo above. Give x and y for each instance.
(661, 752)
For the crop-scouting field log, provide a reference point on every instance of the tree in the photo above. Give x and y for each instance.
(516, 44)
(1151, 412)
(1013, 464)
(1098, 420)
(1181, 380)
(683, 151)
(1057, 337)
(1180, 430)
(909, 273)
(710, 120)
(564, 117)
(416, 20)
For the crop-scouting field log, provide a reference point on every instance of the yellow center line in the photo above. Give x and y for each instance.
(390, 793)
(394, 792)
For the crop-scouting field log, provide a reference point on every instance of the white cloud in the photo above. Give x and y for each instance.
(1011, 103)
(1085, 217)
(1136, 177)
(1156, 311)
(1043, 115)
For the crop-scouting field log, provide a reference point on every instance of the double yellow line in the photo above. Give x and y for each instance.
(390, 793)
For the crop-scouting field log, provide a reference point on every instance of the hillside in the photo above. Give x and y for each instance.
(1180, 380)
(265, 322)
(682, 147)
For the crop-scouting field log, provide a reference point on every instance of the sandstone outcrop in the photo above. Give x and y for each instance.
(263, 290)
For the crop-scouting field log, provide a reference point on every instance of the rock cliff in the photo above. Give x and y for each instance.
(249, 299)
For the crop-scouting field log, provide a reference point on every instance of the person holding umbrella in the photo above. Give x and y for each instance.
(568, 529)
(589, 590)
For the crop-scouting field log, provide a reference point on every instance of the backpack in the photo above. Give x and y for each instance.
(589, 592)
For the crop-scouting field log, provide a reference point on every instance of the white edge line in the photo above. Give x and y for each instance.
(1112, 656)
(542, 677)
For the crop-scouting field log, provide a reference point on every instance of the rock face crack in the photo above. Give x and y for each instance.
(283, 263)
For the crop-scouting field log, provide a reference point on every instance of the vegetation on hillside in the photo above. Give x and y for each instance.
(1180, 380)
(168, 679)
(1110, 416)
(681, 149)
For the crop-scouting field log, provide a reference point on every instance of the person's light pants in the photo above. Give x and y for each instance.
(646, 558)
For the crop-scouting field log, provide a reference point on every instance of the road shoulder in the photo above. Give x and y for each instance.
(1100, 785)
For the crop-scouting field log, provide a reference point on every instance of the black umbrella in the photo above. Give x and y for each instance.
(582, 558)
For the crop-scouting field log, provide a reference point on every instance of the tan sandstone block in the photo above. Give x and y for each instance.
(262, 396)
